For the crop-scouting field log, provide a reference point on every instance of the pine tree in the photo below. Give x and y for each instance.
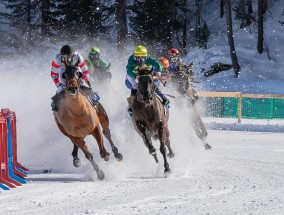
(204, 36)
(242, 9)
(83, 17)
(152, 22)
(21, 20)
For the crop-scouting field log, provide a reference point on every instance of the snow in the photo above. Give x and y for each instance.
(243, 174)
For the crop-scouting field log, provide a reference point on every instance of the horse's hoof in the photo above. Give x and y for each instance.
(105, 156)
(168, 171)
(76, 162)
(207, 146)
(118, 156)
(170, 155)
(100, 175)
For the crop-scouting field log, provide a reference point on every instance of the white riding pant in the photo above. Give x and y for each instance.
(133, 82)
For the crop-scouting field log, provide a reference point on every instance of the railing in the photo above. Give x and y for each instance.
(236, 104)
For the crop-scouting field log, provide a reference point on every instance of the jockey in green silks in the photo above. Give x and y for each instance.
(98, 67)
(138, 58)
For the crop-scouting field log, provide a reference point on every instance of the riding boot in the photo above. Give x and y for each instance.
(54, 107)
(166, 102)
(130, 101)
(94, 97)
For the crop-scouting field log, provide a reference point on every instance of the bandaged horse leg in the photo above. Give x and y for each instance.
(104, 121)
(168, 144)
(199, 128)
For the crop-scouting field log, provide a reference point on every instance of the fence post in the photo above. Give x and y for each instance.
(239, 107)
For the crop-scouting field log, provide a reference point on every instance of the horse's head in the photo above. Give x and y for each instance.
(145, 84)
(180, 80)
(72, 75)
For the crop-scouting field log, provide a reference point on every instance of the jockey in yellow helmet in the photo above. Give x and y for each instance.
(141, 57)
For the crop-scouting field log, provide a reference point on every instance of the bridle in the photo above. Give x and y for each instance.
(146, 92)
(72, 85)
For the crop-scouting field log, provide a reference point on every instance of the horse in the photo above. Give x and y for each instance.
(183, 82)
(77, 118)
(150, 117)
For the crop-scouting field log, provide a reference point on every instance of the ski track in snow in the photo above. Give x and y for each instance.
(243, 175)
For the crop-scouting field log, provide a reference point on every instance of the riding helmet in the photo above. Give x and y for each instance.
(66, 50)
(140, 51)
(165, 62)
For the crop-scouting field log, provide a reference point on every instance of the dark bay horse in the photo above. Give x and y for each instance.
(183, 83)
(77, 118)
(150, 117)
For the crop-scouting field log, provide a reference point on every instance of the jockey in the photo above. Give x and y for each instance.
(176, 64)
(138, 58)
(97, 65)
(66, 57)
(166, 64)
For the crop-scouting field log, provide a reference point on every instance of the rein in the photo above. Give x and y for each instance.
(74, 113)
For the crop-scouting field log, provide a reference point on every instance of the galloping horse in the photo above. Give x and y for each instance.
(77, 118)
(150, 117)
(183, 83)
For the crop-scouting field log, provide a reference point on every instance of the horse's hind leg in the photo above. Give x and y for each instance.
(104, 121)
(97, 134)
(168, 144)
(199, 128)
(162, 138)
(79, 142)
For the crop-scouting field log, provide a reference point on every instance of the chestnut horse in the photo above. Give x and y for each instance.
(77, 118)
(150, 117)
(183, 83)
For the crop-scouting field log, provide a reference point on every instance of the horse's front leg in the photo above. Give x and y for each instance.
(80, 143)
(104, 121)
(199, 128)
(97, 134)
(168, 143)
(76, 160)
(147, 139)
(162, 138)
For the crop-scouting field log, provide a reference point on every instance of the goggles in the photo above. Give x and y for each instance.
(174, 58)
(94, 55)
(140, 60)
(173, 55)
(67, 58)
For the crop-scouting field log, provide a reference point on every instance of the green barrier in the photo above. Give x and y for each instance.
(252, 108)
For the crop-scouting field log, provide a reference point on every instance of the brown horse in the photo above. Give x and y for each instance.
(150, 117)
(183, 83)
(77, 118)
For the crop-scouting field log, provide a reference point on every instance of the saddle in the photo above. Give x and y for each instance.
(86, 91)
